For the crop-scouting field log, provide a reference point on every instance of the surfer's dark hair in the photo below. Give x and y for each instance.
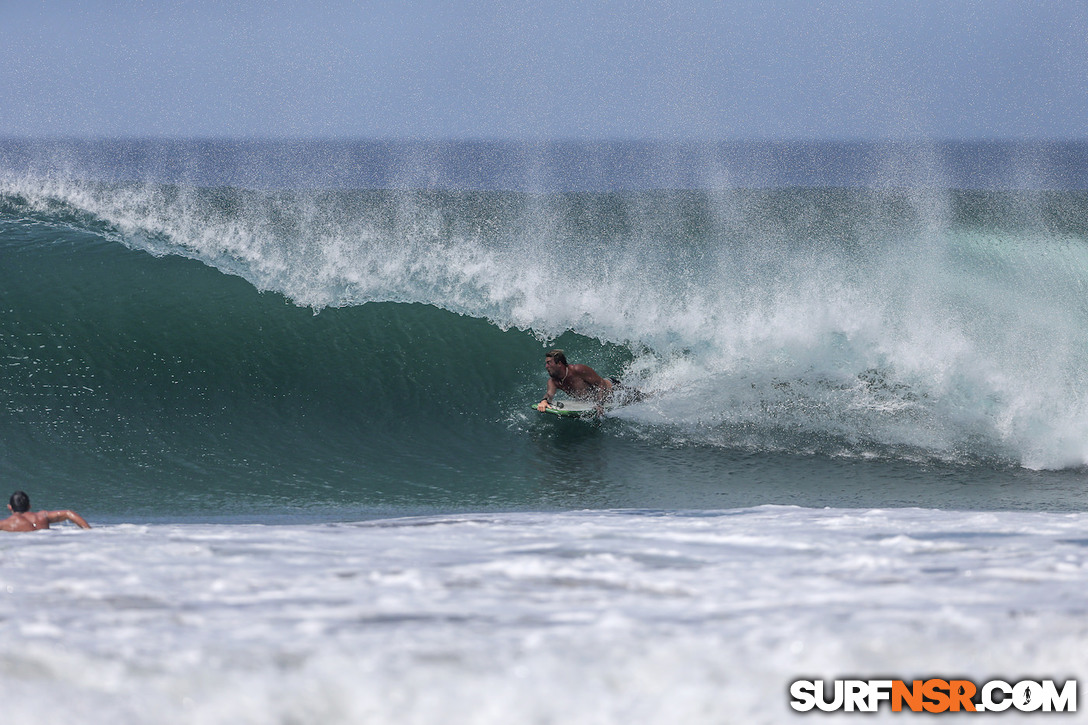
(20, 502)
(558, 355)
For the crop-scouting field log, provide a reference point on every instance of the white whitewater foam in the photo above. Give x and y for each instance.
(601, 617)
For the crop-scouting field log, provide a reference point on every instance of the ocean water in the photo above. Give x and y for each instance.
(290, 384)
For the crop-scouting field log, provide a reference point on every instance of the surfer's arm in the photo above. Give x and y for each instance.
(55, 517)
(547, 399)
(604, 390)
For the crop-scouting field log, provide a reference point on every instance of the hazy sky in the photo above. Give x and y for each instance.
(542, 69)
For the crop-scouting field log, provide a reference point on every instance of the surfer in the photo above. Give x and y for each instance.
(577, 381)
(23, 519)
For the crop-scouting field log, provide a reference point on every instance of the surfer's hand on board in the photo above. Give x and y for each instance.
(542, 405)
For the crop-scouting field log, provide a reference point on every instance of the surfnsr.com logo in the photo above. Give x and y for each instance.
(933, 695)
